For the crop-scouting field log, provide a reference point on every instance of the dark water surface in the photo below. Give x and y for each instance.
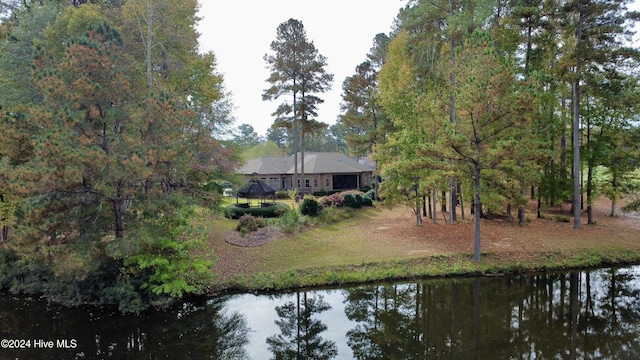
(574, 315)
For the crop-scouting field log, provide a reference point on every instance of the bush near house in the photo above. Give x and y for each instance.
(282, 194)
(309, 206)
(234, 211)
(249, 223)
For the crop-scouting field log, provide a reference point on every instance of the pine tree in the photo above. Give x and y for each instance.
(297, 69)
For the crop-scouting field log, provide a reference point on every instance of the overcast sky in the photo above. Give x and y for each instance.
(240, 32)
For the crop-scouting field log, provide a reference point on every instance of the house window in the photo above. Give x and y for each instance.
(298, 182)
(306, 183)
(326, 182)
(315, 183)
(273, 182)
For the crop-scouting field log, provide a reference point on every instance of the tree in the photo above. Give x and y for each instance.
(363, 115)
(299, 70)
(596, 28)
(403, 166)
(489, 105)
(106, 170)
(16, 87)
(245, 136)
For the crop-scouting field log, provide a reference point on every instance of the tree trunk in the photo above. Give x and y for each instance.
(148, 46)
(435, 200)
(418, 215)
(461, 200)
(589, 195)
(424, 206)
(576, 126)
(452, 116)
(614, 207)
(302, 182)
(117, 214)
(477, 212)
(296, 135)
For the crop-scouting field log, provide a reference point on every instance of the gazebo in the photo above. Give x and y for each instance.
(256, 189)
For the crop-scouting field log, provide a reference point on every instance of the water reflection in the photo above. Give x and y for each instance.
(573, 315)
(206, 331)
(299, 337)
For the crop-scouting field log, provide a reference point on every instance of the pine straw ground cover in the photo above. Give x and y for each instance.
(381, 244)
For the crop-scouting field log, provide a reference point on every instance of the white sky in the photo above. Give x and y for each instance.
(240, 32)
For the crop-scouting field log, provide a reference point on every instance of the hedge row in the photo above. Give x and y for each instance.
(235, 212)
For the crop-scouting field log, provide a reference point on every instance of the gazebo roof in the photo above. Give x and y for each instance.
(255, 188)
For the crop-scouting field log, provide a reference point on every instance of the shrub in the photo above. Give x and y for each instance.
(235, 212)
(365, 188)
(321, 193)
(293, 194)
(288, 222)
(350, 201)
(249, 223)
(309, 206)
(358, 200)
(282, 194)
(336, 199)
(366, 201)
(371, 194)
(335, 214)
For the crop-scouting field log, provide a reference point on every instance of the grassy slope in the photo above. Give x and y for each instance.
(381, 244)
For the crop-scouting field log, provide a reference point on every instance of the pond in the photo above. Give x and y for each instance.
(572, 315)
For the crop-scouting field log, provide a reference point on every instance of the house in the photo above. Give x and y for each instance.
(322, 171)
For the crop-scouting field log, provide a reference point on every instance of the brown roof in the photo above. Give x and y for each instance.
(314, 163)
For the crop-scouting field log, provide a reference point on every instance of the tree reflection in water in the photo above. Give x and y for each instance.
(195, 331)
(574, 316)
(300, 333)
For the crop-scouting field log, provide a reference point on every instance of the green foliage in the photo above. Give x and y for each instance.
(282, 194)
(293, 193)
(309, 206)
(289, 221)
(235, 212)
(371, 194)
(366, 201)
(249, 223)
(171, 252)
(359, 200)
(334, 214)
(351, 200)
(320, 193)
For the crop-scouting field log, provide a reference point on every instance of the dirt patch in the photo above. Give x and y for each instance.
(254, 238)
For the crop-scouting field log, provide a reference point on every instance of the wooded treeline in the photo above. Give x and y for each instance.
(109, 117)
(485, 105)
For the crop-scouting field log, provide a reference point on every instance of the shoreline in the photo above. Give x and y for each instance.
(433, 267)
